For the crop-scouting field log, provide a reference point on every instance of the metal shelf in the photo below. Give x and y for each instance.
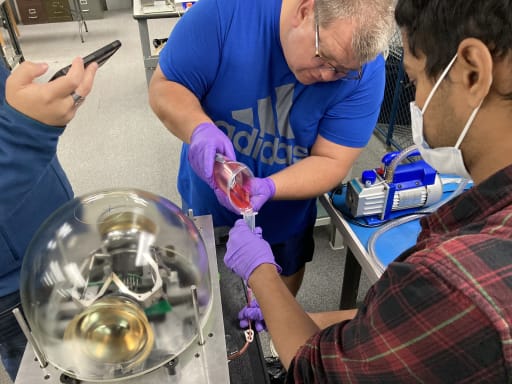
(142, 13)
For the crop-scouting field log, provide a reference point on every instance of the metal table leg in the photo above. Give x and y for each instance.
(149, 66)
(351, 278)
(82, 25)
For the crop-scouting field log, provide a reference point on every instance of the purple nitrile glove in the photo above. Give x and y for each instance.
(206, 141)
(223, 199)
(261, 190)
(246, 250)
(252, 312)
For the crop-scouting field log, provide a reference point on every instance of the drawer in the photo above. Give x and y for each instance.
(57, 10)
(32, 12)
(59, 18)
(91, 9)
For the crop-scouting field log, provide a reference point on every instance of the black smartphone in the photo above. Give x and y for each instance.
(99, 56)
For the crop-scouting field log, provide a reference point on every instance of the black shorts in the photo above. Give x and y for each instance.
(294, 253)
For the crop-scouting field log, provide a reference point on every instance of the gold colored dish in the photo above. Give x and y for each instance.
(113, 330)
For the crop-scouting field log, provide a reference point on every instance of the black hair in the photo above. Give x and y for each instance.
(435, 28)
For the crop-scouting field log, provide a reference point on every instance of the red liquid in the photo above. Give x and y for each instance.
(239, 197)
(233, 183)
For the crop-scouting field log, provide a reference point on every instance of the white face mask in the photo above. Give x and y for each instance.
(444, 159)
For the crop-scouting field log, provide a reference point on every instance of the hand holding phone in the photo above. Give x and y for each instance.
(99, 56)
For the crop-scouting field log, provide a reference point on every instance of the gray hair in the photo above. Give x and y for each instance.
(374, 23)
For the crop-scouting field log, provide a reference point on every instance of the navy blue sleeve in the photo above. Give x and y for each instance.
(32, 184)
(4, 73)
(27, 148)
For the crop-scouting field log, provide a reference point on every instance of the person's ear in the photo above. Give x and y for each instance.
(474, 69)
(304, 11)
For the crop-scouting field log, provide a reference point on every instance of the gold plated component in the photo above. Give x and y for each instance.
(113, 330)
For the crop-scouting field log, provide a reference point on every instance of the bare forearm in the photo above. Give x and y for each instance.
(288, 324)
(308, 178)
(326, 319)
(324, 169)
(176, 106)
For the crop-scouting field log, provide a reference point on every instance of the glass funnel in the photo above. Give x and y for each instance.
(108, 285)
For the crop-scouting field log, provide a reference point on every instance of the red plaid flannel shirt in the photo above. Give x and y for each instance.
(441, 313)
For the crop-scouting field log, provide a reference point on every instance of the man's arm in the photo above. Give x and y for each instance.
(344, 131)
(289, 326)
(180, 111)
(251, 258)
(326, 319)
(176, 106)
(412, 325)
(324, 169)
(187, 68)
(379, 342)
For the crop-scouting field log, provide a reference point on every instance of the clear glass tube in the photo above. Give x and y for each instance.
(402, 220)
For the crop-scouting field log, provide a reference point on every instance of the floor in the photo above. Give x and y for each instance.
(116, 140)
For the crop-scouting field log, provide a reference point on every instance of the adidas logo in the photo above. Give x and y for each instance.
(274, 142)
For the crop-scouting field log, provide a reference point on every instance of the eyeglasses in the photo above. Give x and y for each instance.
(347, 73)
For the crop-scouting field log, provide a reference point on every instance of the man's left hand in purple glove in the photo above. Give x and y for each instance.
(260, 190)
(246, 250)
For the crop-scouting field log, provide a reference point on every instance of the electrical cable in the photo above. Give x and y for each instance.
(249, 333)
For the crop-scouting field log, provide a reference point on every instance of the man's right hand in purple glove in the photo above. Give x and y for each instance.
(246, 250)
(252, 312)
(206, 141)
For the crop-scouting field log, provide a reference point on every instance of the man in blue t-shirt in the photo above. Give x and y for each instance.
(441, 311)
(291, 88)
(33, 184)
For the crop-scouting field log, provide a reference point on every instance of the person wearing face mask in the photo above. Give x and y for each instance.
(443, 159)
(441, 312)
(287, 87)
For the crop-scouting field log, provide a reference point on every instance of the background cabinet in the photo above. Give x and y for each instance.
(51, 11)
(32, 11)
(57, 10)
(91, 9)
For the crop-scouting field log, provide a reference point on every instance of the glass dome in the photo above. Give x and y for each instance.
(112, 285)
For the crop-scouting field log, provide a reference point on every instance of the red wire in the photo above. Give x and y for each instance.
(242, 350)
